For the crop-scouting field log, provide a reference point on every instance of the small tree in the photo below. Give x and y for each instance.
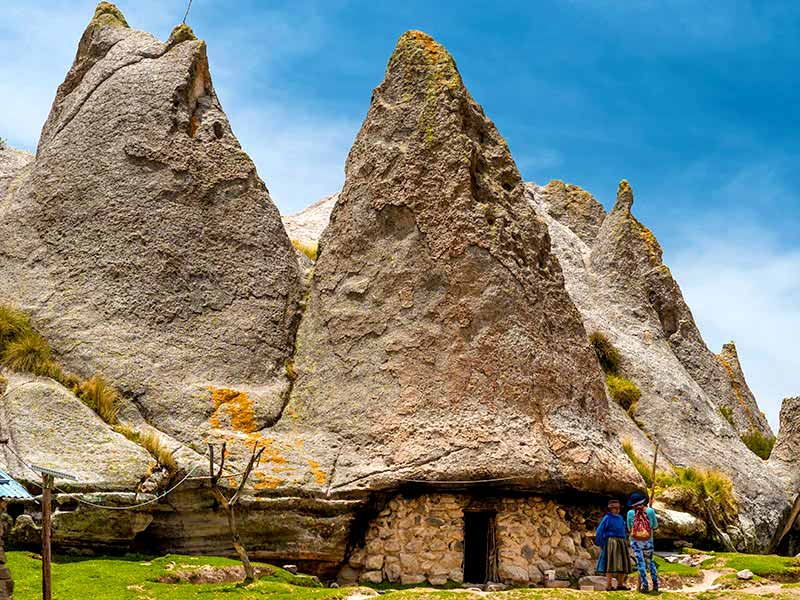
(229, 504)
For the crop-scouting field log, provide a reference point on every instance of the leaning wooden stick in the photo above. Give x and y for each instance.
(653, 481)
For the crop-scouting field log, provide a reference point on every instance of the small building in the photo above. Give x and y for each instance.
(9, 490)
(518, 539)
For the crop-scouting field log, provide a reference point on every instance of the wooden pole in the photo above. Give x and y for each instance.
(47, 482)
(653, 482)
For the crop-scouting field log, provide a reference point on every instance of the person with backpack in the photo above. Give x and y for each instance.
(642, 522)
(614, 559)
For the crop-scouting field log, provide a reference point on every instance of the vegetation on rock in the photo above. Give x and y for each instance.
(700, 492)
(760, 444)
(100, 397)
(150, 441)
(623, 390)
(645, 470)
(308, 248)
(607, 354)
(727, 414)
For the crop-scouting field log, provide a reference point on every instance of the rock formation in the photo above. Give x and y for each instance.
(441, 365)
(142, 240)
(439, 342)
(622, 289)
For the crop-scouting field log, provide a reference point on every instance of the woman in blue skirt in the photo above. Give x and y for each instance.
(612, 537)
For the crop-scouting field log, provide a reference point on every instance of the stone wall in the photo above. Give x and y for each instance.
(418, 539)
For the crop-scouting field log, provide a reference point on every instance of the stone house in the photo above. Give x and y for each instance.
(441, 537)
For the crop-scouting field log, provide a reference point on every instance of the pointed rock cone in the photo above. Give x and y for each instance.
(439, 341)
(144, 241)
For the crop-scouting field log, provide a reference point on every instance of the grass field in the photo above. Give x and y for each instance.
(139, 578)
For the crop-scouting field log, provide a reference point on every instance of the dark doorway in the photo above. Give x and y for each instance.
(480, 555)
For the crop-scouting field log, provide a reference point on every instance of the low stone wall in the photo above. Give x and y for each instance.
(6, 583)
(418, 539)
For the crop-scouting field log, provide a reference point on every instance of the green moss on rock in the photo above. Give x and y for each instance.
(108, 15)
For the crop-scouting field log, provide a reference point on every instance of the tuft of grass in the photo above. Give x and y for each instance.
(609, 357)
(151, 442)
(310, 249)
(703, 490)
(624, 391)
(28, 352)
(3, 385)
(758, 443)
(644, 469)
(100, 397)
(13, 324)
(727, 414)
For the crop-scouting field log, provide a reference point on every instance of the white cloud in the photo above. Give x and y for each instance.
(742, 285)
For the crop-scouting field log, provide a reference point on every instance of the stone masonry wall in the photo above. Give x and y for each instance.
(418, 539)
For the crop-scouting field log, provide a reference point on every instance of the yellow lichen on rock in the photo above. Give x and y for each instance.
(317, 472)
(736, 390)
(238, 406)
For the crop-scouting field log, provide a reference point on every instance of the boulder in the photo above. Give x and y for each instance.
(439, 341)
(677, 525)
(81, 444)
(142, 240)
(744, 574)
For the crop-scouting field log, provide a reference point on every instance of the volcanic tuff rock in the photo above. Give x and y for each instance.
(142, 240)
(622, 289)
(439, 341)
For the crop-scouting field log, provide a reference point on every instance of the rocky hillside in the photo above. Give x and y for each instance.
(441, 340)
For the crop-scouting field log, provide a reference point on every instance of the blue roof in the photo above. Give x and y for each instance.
(10, 489)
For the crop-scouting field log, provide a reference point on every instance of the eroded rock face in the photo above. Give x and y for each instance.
(439, 341)
(622, 289)
(142, 240)
(786, 453)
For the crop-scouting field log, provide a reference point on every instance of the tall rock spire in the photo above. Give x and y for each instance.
(144, 242)
(439, 341)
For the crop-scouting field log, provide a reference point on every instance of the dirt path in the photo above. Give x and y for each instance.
(709, 577)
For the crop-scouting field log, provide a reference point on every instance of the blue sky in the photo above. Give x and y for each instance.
(695, 103)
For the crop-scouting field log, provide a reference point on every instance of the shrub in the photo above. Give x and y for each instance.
(101, 398)
(727, 414)
(701, 490)
(607, 354)
(29, 353)
(308, 248)
(758, 443)
(644, 469)
(623, 390)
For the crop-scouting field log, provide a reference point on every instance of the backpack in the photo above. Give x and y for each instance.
(642, 531)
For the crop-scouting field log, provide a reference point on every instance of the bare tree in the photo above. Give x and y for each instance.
(229, 504)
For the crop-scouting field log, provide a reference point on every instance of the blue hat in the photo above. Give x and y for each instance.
(636, 499)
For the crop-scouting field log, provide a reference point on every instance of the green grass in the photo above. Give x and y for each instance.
(137, 577)
(608, 356)
(624, 391)
(758, 443)
(27, 353)
(763, 565)
(645, 470)
(676, 568)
